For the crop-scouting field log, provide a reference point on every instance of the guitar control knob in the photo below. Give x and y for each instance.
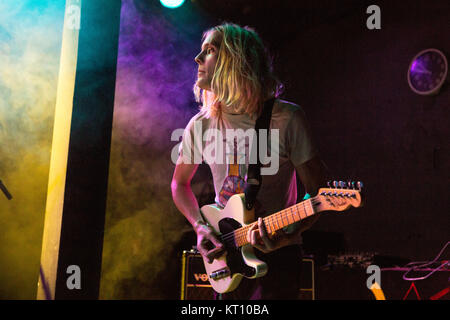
(335, 184)
(342, 184)
(329, 184)
(360, 185)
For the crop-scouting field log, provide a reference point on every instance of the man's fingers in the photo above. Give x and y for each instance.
(213, 247)
(209, 245)
(250, 232)
(213, 253)
(202, 251)
(256, 242)
(263, 233)
(216, 242)
(253, 237)
(258, 238)
(262, 228)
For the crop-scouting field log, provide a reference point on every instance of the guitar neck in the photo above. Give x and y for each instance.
(278, 220)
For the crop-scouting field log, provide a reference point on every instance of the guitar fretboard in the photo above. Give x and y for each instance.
(278, 220)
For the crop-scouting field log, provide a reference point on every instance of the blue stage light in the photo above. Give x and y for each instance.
(172, 3)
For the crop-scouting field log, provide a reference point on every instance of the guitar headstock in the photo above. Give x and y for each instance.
(339, 197)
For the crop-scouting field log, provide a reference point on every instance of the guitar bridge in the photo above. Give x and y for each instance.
(219, 274)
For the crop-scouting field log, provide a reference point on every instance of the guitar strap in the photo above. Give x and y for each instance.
(254, 178)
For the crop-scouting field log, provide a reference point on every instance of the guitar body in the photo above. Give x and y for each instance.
(226, 272)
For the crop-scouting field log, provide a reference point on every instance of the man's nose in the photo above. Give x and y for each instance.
(199, 58)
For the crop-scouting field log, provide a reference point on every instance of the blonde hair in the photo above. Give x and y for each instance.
(243, 77)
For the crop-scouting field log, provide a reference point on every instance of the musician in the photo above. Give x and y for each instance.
(235, 78)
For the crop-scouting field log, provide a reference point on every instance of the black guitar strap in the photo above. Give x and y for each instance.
(254, 178)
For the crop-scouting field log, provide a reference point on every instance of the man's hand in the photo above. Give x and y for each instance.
(207, 243)
(258, 238)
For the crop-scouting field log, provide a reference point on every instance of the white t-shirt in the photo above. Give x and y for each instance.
(229, 161)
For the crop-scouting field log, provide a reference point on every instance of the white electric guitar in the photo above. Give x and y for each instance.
(232, 223)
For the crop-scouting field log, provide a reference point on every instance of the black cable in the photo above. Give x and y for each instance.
(5, 191)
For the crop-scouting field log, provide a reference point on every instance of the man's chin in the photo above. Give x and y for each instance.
(203, 85)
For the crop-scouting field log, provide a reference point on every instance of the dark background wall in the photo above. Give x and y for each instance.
(371, 126)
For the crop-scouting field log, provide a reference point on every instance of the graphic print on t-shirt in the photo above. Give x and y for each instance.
(235, 181)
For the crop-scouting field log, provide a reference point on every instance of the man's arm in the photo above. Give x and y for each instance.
(185, 201)
(182, 194)
(312, 174)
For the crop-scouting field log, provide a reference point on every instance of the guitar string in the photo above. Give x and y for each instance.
(271, 222)
(241, 233)
(235, 235)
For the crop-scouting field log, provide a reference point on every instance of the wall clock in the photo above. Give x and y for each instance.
(427, 72)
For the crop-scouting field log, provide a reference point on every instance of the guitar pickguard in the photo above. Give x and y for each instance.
(234, 255)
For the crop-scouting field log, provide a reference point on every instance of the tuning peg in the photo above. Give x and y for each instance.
(360, 185)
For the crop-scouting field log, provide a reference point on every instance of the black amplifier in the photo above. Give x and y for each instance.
(194, 280)
(195, 284)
